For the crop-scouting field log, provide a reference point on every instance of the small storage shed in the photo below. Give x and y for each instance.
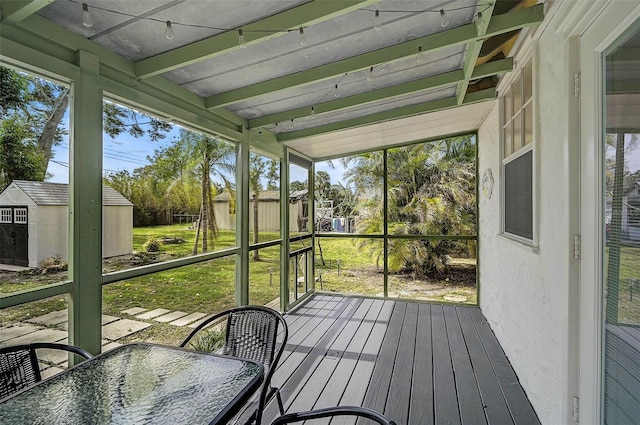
(34, 222)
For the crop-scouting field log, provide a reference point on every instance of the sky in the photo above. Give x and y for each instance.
(123, 153)
(632, 155)
(126, 152)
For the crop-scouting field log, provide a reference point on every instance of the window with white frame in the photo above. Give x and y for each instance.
(6, 215)
(20, 215)
(518, 155)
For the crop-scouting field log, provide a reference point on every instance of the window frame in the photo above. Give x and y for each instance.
(6, 215)
(20, 215)
(516, 79)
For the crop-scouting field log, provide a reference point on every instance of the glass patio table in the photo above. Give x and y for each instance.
(139, 383)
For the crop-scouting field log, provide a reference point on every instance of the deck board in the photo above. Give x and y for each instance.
(376, 396)
(469, 400)
(495, 405)
(421, 402)
(444, 386)
(400, 387)
(419, 363)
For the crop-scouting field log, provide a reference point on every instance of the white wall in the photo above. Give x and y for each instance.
(268, 216)
(14, 196)
(117, 230)
(51, 237)
(524, 290)
(49, 228)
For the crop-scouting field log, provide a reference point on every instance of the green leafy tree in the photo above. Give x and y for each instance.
(21, 157)
(257, 166)
(273, 175)
(322, 184)
(431, 192)
(14, 91)
(298, 185)
(39, 105)
(211, 157)
(118, 120)
(344, 200)
(148, 208)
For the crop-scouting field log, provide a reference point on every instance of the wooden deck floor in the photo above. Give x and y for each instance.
(418, 363)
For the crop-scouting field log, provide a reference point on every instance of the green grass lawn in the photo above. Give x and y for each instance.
(350, 269)
(209, 287)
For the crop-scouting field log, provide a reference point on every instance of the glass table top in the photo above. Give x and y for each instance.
(139, 383)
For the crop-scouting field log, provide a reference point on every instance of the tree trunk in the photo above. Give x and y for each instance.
(205, 218)
(320, 252)
(212, 215)
(48, 135)
(195, 243)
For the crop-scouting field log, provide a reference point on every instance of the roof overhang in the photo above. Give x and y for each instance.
(447, 122)
(411, 78)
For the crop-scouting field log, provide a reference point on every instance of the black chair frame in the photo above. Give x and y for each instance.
(331, 412)
(269, 359)
(19, 368)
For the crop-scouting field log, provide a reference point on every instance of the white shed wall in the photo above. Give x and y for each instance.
(268, 216)
(224, 220)
(51, 237)
(525, 290)
(117, 230)
(48, 228)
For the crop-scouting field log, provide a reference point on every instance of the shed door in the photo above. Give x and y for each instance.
(14, 236)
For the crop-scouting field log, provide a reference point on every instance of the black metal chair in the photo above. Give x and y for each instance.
(19, 367)
(252, 333)
(329, 412)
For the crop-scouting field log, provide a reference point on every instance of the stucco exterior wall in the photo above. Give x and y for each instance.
(524, 290)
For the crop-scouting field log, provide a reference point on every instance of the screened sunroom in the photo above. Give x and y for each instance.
(371, 169)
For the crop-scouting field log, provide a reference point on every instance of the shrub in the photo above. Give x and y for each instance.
(51, 264)
(210, 340)
(54, 260)
(152, 245)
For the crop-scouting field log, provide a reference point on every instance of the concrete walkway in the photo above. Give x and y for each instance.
(52, 327)
(12, 268)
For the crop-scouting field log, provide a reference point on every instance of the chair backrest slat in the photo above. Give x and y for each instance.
(251, 334)
(19, 368)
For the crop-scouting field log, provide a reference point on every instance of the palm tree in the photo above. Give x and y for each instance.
(431, 191)
(210, 157)
(256, 170)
